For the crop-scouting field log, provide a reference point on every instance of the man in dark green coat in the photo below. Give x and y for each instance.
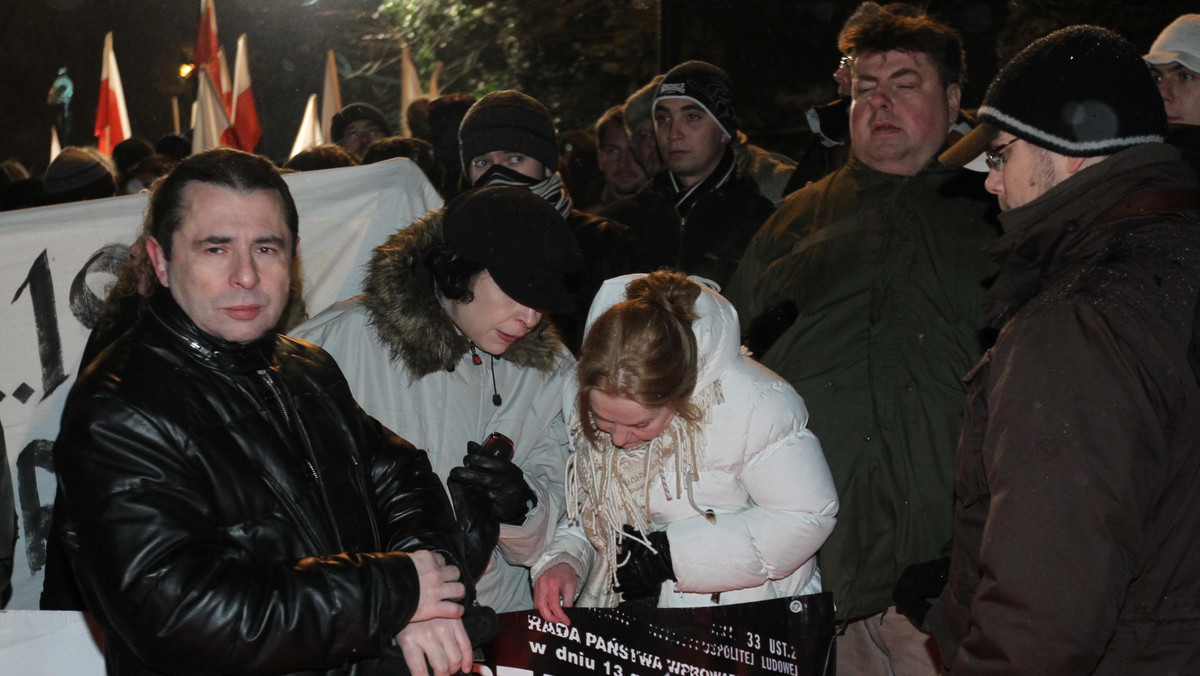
(863, 292)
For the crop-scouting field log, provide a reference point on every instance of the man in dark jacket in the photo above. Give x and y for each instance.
(698, 216)
(228, 507)
(863, 291)
(1078, 473)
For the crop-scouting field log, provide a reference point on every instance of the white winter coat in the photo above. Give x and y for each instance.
(411, 368)
(762, 473)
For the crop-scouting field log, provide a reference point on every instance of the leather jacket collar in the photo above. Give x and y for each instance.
(173, 324)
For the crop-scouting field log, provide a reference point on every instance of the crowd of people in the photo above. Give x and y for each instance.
(942, 366)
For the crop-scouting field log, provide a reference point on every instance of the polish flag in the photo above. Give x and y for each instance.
(310, 129)
(225, 84)
(112, 120)
(210, 123)
(246, 130)
(208, 49)
(331, 98)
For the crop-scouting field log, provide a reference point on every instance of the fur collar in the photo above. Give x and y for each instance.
(411, 323)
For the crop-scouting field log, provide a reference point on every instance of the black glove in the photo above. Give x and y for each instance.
(645, 571)
(919, 586)
(481, 529)
(498, 483)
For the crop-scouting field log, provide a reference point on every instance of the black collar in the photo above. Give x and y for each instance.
(221, 355)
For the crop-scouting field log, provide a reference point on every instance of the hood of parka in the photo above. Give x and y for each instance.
(414, 326)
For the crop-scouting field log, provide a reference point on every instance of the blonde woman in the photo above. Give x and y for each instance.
(694, 479)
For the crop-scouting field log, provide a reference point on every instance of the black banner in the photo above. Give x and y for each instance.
(783, 636)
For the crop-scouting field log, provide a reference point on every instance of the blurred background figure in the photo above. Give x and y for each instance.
(639, 124)
(62, 90)
(324, 156)
(623, 174)
(77, 174)
(445, 115)
(415, 149)
(143, 174)
(125, 155)
(577, 151)
(357, 126)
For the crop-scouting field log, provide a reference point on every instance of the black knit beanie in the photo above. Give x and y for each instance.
(1082, 91)
(705, 84)
(508, 120)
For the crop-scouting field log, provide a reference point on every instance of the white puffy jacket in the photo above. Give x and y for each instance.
(763, 475)
(410, 368)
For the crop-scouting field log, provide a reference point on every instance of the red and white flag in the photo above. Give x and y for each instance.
(208, 48)
(112, 120)
(210, 123)
(331, 98)
(225, 84)
(246, 130)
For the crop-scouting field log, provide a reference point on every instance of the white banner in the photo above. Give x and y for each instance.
(55, 263)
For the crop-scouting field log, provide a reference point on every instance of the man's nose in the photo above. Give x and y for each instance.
(245, 271)
(995, 181)
(1165, 90)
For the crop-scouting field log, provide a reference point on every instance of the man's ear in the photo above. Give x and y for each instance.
(158, 258)
(953, 98)
(1074, 164)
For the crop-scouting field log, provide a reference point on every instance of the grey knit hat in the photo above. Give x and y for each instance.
(76, 174)
(640, 105)
(508, 120)
(1082, 91)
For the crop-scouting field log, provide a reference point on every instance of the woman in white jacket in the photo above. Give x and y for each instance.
(694, 479)
(445, 347)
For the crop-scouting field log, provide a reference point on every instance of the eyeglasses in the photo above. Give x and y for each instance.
(845, 62)
(995, 158)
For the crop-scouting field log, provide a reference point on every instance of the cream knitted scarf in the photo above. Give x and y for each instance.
(607, 487)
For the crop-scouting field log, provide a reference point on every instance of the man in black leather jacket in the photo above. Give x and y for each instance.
(228, 506)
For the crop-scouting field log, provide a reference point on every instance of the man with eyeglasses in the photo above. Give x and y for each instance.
(1078, 473)
(863, 292)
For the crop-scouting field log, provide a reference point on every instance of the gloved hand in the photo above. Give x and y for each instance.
(645, 571)
(499, 485)
(481, 529)
(919, 586)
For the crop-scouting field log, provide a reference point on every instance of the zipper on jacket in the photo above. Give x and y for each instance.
(295, 430)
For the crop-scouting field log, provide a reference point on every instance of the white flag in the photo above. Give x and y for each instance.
(331, 98)
(310, 130)
(55, 146)
(210, 118)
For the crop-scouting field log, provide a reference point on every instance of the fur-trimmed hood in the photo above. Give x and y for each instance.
(414, 326)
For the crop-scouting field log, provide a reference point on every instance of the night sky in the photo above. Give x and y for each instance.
(287, 42)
